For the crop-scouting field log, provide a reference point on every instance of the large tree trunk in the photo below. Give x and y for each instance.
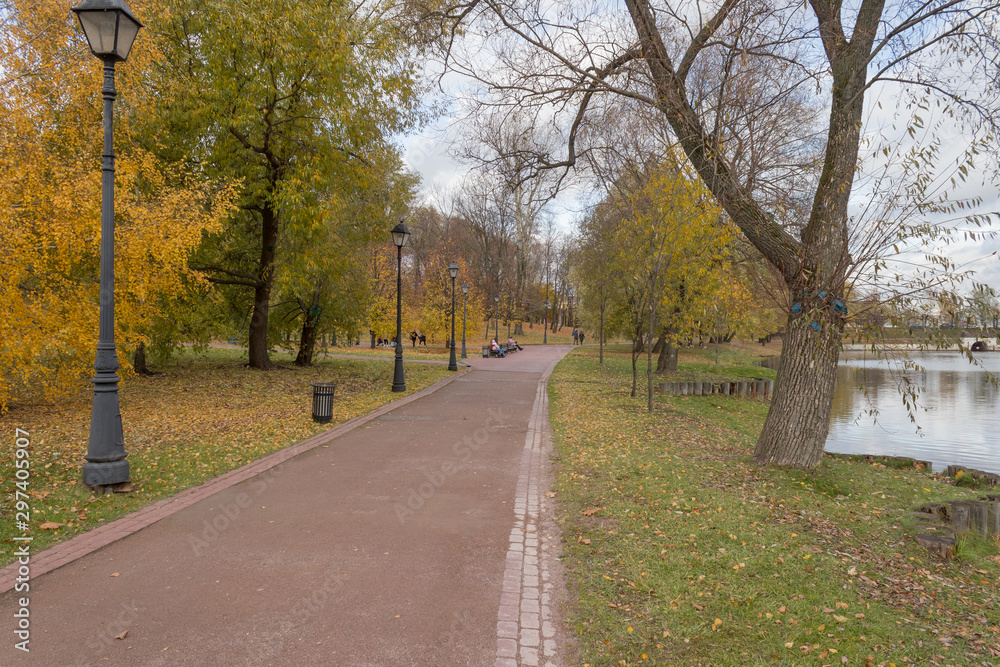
(307, 340)
(139, 360)
(667, 361)
(660, 342)
(262, 292)
(797, 424)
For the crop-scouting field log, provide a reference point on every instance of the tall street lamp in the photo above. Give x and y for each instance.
(110, 28)
(496, 318)
(465, 294)
(453, 272)
(545, 331)
(400, 235)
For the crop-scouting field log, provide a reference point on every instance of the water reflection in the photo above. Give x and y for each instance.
(958, 410)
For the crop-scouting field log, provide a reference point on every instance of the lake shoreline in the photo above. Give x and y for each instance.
(951, 420)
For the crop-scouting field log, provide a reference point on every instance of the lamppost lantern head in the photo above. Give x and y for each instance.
(547, 305)
(110, 27)
(496, 298)
(400, 234)
(453, 270)
(465, 288)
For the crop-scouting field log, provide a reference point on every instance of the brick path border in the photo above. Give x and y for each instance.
(85, 543)
(526, 628)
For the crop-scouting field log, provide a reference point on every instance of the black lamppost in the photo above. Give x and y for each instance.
(545, 331)
(465, 294)
(453, 272)
(496, 318)
(400, 235)
(110, 28)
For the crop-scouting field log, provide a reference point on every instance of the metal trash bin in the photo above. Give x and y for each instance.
(486, 351)
(323, 401)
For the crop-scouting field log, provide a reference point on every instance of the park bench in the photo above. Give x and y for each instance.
(487, 352)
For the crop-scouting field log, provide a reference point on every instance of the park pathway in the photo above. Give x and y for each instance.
(419, 536)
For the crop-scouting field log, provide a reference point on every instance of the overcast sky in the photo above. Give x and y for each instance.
(427, 154)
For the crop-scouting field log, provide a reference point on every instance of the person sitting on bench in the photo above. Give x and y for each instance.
(495, 348)
(513, 343)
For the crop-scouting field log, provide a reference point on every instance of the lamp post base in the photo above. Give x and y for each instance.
(398, 379)
(101, 475)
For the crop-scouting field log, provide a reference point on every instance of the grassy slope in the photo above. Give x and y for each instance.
(681, 553)
(202, 416)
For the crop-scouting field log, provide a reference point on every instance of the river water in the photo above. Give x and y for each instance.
(958, 410)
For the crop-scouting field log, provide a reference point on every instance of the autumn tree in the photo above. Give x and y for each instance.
(668, 243)
(492, 225)
(290, 108)
(598, 271)
(502, 143)
(720, 73)
(50, 198)
(320, 286)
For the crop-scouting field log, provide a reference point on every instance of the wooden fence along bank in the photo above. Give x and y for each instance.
(749, 388)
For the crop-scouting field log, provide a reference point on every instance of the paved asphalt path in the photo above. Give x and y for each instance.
(391, 544)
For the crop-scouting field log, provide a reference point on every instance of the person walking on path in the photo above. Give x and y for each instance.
(413, 339)
(576, 337)
(581, 336)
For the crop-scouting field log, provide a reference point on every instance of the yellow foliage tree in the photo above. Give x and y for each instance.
(665, 244)
(433, 311)
(50, 193)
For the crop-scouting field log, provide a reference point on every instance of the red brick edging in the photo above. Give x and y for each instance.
(85, 543)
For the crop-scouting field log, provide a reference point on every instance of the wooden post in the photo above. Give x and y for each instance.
(961, 515)
(979, 517)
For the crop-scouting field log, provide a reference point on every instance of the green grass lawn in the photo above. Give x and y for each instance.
(679, 552)
(201, 416)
